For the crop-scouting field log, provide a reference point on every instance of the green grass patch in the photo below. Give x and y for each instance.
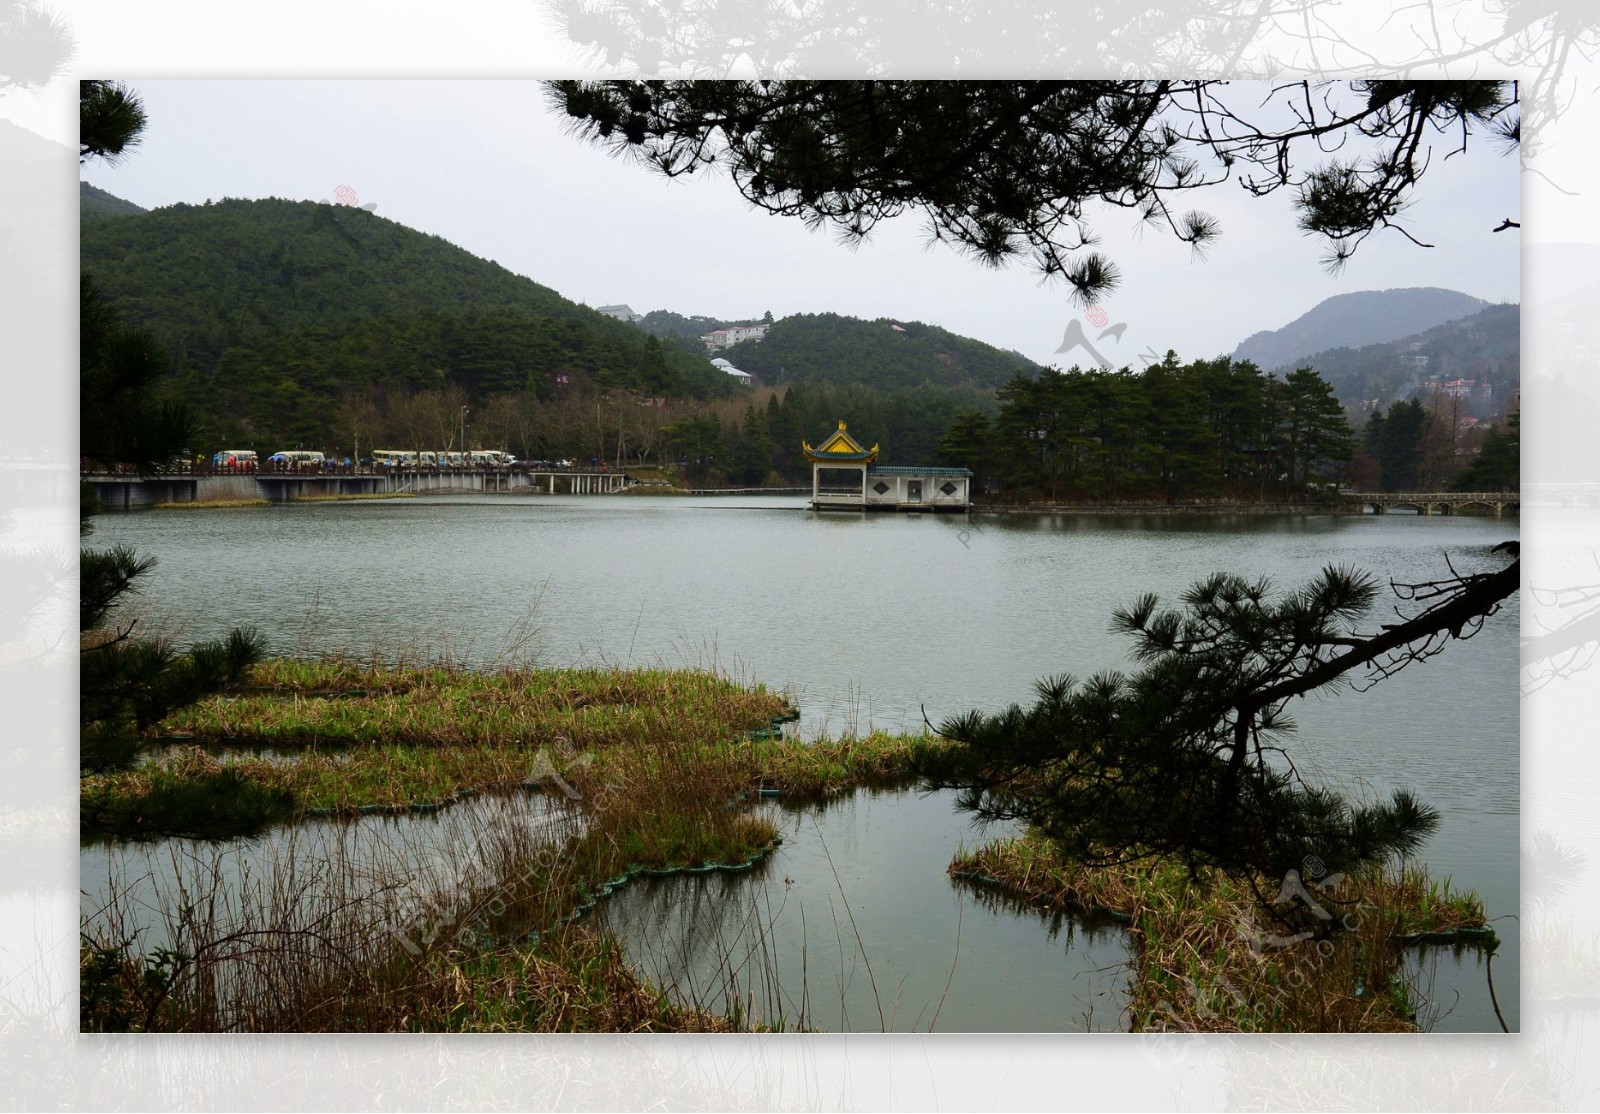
(193, 798)
(811, 770)
(316, 704)
(371, 736)
(1217, 954)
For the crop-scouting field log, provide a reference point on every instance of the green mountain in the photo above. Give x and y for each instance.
(1354, 320)
(274, 311)
(1484, 347)
(97, 204)
(889, 355)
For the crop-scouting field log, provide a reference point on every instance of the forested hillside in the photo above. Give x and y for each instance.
(889, 355)
(94, 204)
(274, 312)
(1484, 347)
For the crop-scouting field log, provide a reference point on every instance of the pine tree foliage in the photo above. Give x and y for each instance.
(1009, 169)
(1498, 465)
(104, 577)
(124, 416)
(110, 119)
(1183, 758)
(128, 685)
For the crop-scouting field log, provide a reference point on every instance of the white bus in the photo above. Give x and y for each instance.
(296, 456)
(235, 460)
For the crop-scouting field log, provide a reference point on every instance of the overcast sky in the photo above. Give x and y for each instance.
(488, 165)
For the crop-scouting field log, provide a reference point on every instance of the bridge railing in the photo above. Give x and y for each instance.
(349, 468)
(1432, 496)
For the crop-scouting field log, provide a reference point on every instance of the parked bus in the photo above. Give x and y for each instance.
(394, 458)
(296, 457)
(235, 460)
(408, 458)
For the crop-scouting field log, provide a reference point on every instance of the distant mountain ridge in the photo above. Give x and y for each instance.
(97, 204)
(1354, 320)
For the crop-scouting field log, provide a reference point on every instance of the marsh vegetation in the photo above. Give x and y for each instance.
(436, 840)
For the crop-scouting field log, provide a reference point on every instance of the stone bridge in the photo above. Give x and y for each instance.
(126, 492)
(1437, 502)
(1569, 494)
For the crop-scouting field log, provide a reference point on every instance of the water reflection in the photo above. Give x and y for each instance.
(853, 925)
(868, 622)
(399, 872)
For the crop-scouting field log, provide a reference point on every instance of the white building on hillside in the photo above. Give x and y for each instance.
(742, 376)
(733, 334)
(621, 313)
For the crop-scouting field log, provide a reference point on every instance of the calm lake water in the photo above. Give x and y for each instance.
(875, 622)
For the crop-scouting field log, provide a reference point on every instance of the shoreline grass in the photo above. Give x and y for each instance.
(1210, 957)
(351, 497)
(219, 504)
(662, 768)
(233, 504)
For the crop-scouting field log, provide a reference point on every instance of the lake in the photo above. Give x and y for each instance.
(873, 622)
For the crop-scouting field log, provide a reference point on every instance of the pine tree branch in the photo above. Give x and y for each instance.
(1478, 597)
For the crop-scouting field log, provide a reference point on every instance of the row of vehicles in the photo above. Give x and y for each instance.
(476, 458)
(246, 460)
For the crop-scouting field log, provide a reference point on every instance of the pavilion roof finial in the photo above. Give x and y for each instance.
(839, 448)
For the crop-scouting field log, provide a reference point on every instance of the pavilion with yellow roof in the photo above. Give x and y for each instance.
(845, 475)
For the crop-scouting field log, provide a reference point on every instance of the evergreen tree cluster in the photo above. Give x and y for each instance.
(1427, 445)
(890, 355)
(1210, 429)
(1498, 465)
